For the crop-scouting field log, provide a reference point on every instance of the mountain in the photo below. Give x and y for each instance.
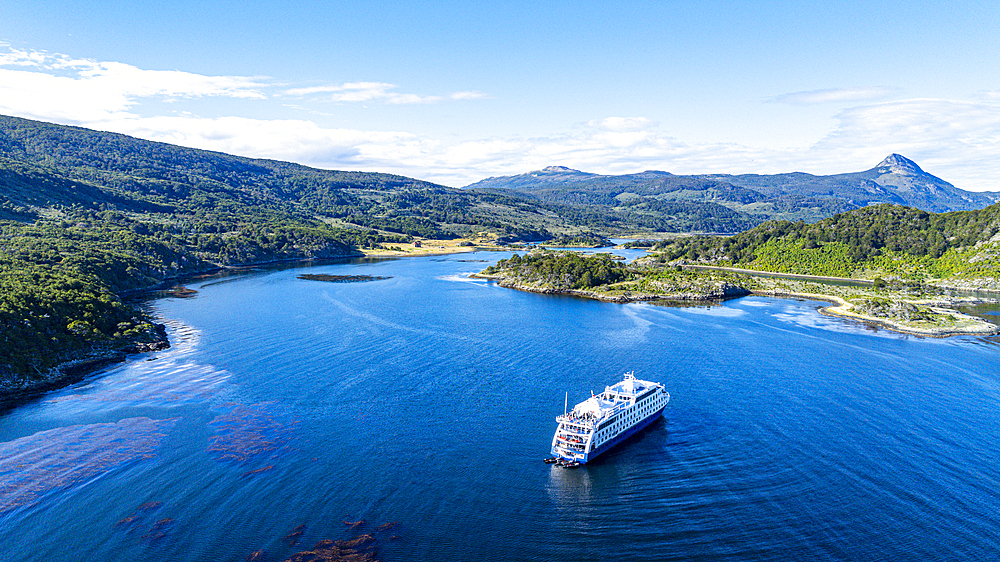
(86, 216)
(896, 179)
(549, 175)
(790, 196)
(43, 164)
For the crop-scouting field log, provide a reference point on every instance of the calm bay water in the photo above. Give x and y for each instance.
(428, 400)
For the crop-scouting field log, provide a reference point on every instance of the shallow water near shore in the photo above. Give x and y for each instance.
(428, 399)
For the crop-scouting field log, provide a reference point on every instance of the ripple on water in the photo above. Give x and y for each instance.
(32, 466)
(168, 378)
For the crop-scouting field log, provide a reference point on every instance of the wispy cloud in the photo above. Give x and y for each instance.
(52, 86)
(470, 95)
(375, 91)
(956, 140)
(834, 95)
(621, 124)
(90, 76)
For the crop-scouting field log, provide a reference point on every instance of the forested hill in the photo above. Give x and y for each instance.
(87, 215)
(756, 198)
(959, 248)
(167, 173)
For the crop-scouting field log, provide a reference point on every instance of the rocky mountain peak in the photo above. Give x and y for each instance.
(558, 169)
(900, 164)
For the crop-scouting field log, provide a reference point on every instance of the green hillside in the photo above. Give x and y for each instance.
(86, 216)
(960, 248)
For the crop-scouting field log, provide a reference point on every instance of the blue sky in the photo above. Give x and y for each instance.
(455, 91)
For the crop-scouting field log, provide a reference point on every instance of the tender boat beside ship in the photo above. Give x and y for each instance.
(600, 422)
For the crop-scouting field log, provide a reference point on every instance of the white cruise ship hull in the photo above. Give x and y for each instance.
(622, 437)
(604, 421)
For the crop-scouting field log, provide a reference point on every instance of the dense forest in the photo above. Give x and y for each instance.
(87, 216)
(880, 240)
(604, 277)
(561, 270)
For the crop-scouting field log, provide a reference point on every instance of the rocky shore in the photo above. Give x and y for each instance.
(719, 292)
(931, 319)
(14, 391)
(908, 318)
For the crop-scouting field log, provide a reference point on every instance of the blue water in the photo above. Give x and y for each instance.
(428, 399)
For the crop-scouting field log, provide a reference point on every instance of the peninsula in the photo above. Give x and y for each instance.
(896, 305)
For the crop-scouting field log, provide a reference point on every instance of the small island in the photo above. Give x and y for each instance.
(340, 278)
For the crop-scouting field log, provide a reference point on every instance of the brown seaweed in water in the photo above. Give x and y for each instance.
(387, 526)
(293, 538)
(159, 530)
(247, 431)
(138, 515)
(66, 456)
(358, 549)
(258, 471)
(355, 525)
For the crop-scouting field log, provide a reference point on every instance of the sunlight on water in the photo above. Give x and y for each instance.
(288, 413)
(463, 278)
(809, 319)
(31, 467)
(714, 311)
(170, 377)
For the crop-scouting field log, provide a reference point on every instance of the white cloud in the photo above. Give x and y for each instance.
(52, 85)
(471, 95)
(281, 139)
(952, 139)
(620, 124)
(375, 91)
(955, 140)
(834, 95)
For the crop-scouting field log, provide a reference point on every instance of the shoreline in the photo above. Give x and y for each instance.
(940, 284)
(625, 298)
(170, 282)
(85, 364)
(73, 371)
(841, 308)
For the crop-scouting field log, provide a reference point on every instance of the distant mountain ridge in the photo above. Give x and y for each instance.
(795, 195)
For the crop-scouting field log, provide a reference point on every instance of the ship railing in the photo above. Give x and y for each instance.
(581, 420)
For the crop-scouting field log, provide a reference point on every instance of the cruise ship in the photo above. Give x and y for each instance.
(603, 421)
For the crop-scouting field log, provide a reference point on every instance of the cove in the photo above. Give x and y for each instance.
(427, 399)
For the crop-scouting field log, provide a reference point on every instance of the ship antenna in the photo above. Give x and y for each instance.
(566, 404)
